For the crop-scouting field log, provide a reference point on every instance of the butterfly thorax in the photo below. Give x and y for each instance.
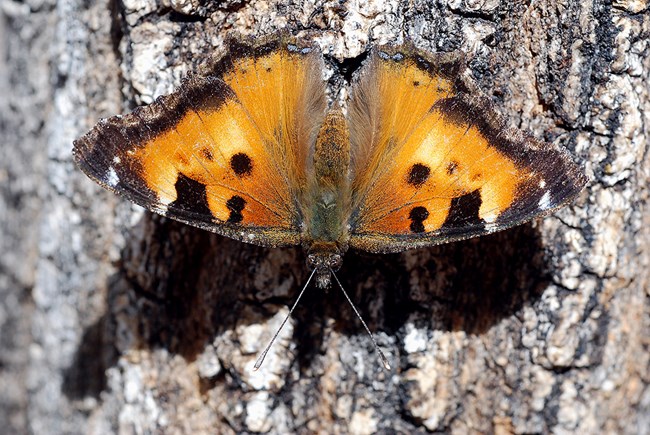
(328, 195)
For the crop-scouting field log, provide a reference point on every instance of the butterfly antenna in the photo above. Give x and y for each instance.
(382, 357)
(260, 359)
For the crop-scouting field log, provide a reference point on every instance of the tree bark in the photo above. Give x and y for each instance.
(115, 320)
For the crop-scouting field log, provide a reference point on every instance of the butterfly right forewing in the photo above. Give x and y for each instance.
(433, 162)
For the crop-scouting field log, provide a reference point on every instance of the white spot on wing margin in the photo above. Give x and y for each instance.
(111, 177)
(161, 209)
(545, 201)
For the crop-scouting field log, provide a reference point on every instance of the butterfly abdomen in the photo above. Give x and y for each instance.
(328, 189)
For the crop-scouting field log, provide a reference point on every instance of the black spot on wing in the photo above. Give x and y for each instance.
(452, 167)
(417, 216)
(464, 210)
(418, 175)
(190, 197)
(241, 164)
(236, 205)
(206, 153)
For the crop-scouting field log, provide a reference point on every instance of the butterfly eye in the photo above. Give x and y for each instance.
(312, 261)
(334, 262)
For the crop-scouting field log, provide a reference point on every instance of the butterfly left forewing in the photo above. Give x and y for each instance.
(223, 151)
(437, 163)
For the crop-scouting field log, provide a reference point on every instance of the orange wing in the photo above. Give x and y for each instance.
(432, 162)
(227, 151)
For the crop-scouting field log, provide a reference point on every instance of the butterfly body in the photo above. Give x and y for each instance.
(251, 149)
(326, 233)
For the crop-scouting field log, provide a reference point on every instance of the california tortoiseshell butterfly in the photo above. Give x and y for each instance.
(251, 149)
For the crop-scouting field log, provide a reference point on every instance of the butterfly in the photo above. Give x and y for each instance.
(251, 148)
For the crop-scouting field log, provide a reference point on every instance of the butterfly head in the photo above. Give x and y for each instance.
(325, 260)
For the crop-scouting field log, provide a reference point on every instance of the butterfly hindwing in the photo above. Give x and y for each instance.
(433, 162)
(227, 150)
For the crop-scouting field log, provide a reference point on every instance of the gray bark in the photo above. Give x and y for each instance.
(114, 320)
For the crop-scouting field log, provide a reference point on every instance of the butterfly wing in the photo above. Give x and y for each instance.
(432, 161)
(226, 151)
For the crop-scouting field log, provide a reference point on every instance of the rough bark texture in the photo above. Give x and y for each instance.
(114, 320)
